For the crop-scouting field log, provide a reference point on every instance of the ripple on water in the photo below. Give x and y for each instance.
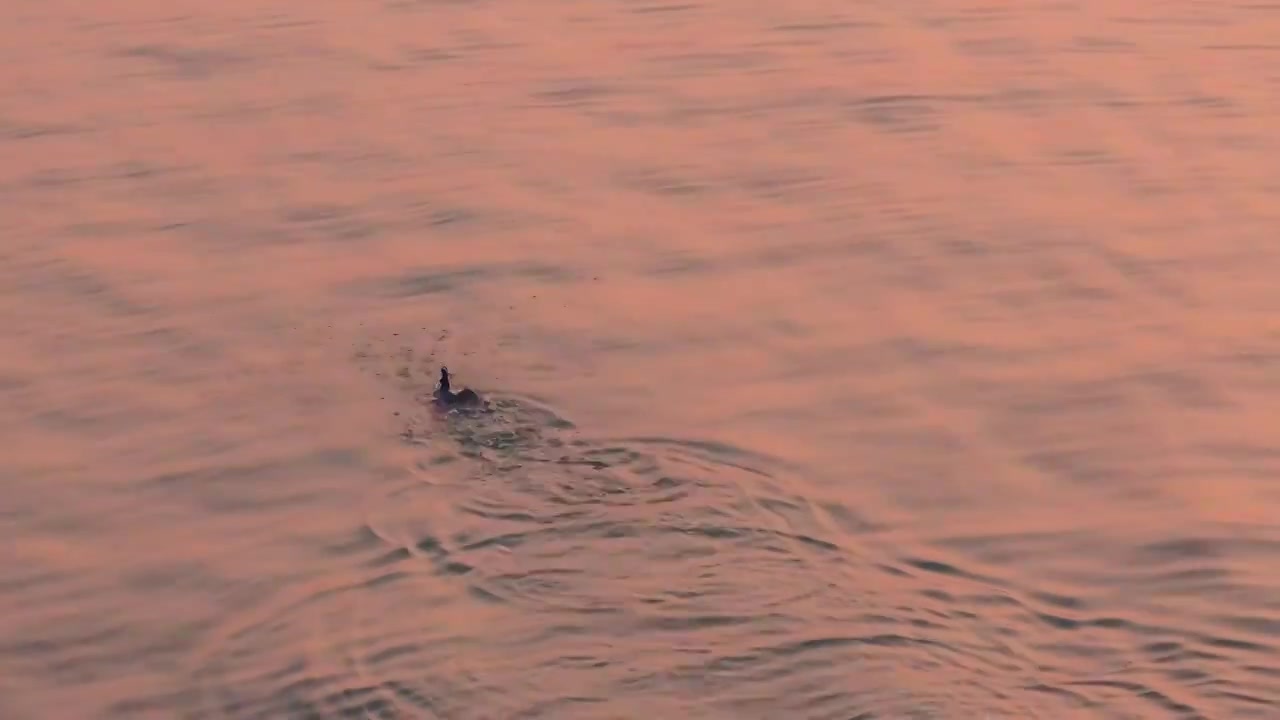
(546, 574)
(1128, 638)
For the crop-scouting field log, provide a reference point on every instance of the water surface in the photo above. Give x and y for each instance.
(848, 360)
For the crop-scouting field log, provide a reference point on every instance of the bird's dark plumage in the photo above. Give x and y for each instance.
(445, 397)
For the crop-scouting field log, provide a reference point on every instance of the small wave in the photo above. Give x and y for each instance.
(544, 573)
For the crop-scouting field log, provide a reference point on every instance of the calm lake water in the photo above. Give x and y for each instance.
(871, 360)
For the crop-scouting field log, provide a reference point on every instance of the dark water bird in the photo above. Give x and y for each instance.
(447, 398)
